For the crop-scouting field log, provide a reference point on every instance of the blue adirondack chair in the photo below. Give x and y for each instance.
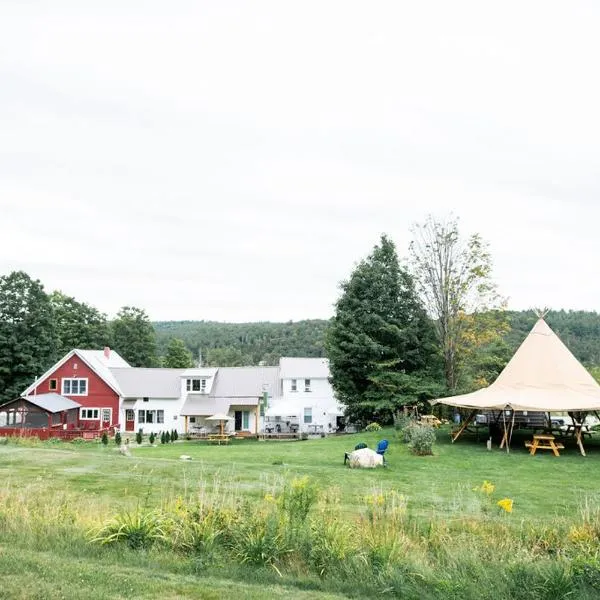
(381, 448)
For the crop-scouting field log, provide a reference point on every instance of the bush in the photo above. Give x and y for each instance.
(118, 438)
(139, 436)
(139, 529)
(167, 437)
(422, 438)
(104, 439)
(152, 438)
(373, 427)
(174, 435)
(162, 437)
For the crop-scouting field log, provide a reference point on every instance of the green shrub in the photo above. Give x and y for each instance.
(139, 436)
(3, 441)
(297, 498)
(152, 438)
(373, 427)
(167, 437)
(104, 439)
(139, 529)
(118, 438)
(260, 541)
(174, 435)
(162, 437)
(422, 439)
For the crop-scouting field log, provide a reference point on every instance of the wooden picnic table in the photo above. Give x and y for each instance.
(544, 442)
(218, 438)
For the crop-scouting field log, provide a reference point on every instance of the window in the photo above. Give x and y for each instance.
(55, 418)
(74, 387)
(308, 414)
(151, 416)
(307, 385)
(144, 399)
(192, 419)
(294, 385)
(53, 385)
(196, 385)
(246, 419)
(89, 414)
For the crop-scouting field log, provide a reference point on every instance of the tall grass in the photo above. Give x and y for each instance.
(295, 529)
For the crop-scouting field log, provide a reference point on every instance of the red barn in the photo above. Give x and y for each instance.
(84, 376)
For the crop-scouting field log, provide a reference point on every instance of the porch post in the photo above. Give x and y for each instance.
(186, 423)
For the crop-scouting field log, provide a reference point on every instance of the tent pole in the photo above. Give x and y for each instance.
(463, 426)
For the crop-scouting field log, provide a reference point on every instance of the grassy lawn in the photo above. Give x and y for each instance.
(98, 482)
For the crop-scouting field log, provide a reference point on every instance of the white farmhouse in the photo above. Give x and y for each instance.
(307, 399)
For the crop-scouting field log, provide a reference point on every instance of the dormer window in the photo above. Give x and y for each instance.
(196, 384)
(307, 385)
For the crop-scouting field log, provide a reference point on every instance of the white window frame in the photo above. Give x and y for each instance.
(70, 380)
(160, 416)
(308, 415)
(192, 382)
(109, 414)
(294, 385)
(307, 385)
(85, 409)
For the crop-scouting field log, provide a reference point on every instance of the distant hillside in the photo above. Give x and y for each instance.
(236, 344)
(249, 343)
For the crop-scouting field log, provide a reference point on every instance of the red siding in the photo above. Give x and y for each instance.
(100, 395)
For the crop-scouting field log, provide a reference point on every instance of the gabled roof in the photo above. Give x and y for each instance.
(95, 360)
(51, 402)
(542, 375)
(245, 382)
(304, 368)
(137, 382)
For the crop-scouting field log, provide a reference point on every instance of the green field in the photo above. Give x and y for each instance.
(448, 542)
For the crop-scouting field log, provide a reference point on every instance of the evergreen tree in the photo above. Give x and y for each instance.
(78, 325)
(134, 338)
(118, 438)
(104, 438)
(27, 333)
(178, 356)
(174, 435)
(162, 437)
(152, 438)
(139, 436)
(380, 343)
(167, 437)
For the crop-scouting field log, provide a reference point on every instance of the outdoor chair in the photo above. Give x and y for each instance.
(381, 448)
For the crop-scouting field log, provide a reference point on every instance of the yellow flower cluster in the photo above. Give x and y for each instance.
(486, 487)
(506, 504)
(375, 500)
(269, 498)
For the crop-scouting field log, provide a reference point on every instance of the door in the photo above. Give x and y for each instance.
(106, 417)
(238, 420)
(129, 419)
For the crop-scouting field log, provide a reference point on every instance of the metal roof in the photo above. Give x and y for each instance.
(304, 368)
(51, 402)
(138, 382)
(246, 382)
(202, 405)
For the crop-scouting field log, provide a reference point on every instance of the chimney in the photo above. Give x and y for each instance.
(106, 352)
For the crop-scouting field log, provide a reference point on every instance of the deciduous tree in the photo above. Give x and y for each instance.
(454, 277)
(134, 338)
(380, 343)
(178, 356)
(27, 333)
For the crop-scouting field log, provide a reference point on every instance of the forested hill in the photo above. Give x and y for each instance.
(249, 343)
(236, 344)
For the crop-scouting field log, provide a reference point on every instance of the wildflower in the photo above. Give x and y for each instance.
(486, 487)
(505, 504)
(269, 498)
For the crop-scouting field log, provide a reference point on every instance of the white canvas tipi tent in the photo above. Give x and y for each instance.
(543, 375)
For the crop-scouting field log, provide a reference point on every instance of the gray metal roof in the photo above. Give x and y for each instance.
(304, 368)
(51, 402)
(203, 405)
(148, 383)
(246, 382)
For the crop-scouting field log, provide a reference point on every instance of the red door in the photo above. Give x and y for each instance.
(129, 419)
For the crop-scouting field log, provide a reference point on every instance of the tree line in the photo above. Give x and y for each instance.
(404, 331)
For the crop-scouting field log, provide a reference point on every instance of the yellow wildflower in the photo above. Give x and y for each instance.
(269, 498)
(505, 504)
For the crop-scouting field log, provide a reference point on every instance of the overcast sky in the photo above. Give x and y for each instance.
(234, 160)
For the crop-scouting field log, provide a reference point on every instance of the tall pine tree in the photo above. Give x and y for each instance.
(27, 333)
(380, 343)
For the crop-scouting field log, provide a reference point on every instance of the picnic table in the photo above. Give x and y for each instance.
(218, 438)
(544, 442)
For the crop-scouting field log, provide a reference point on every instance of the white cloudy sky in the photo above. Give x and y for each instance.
(233, 160)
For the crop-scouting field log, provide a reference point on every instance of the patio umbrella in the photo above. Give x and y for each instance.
(221, 417)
